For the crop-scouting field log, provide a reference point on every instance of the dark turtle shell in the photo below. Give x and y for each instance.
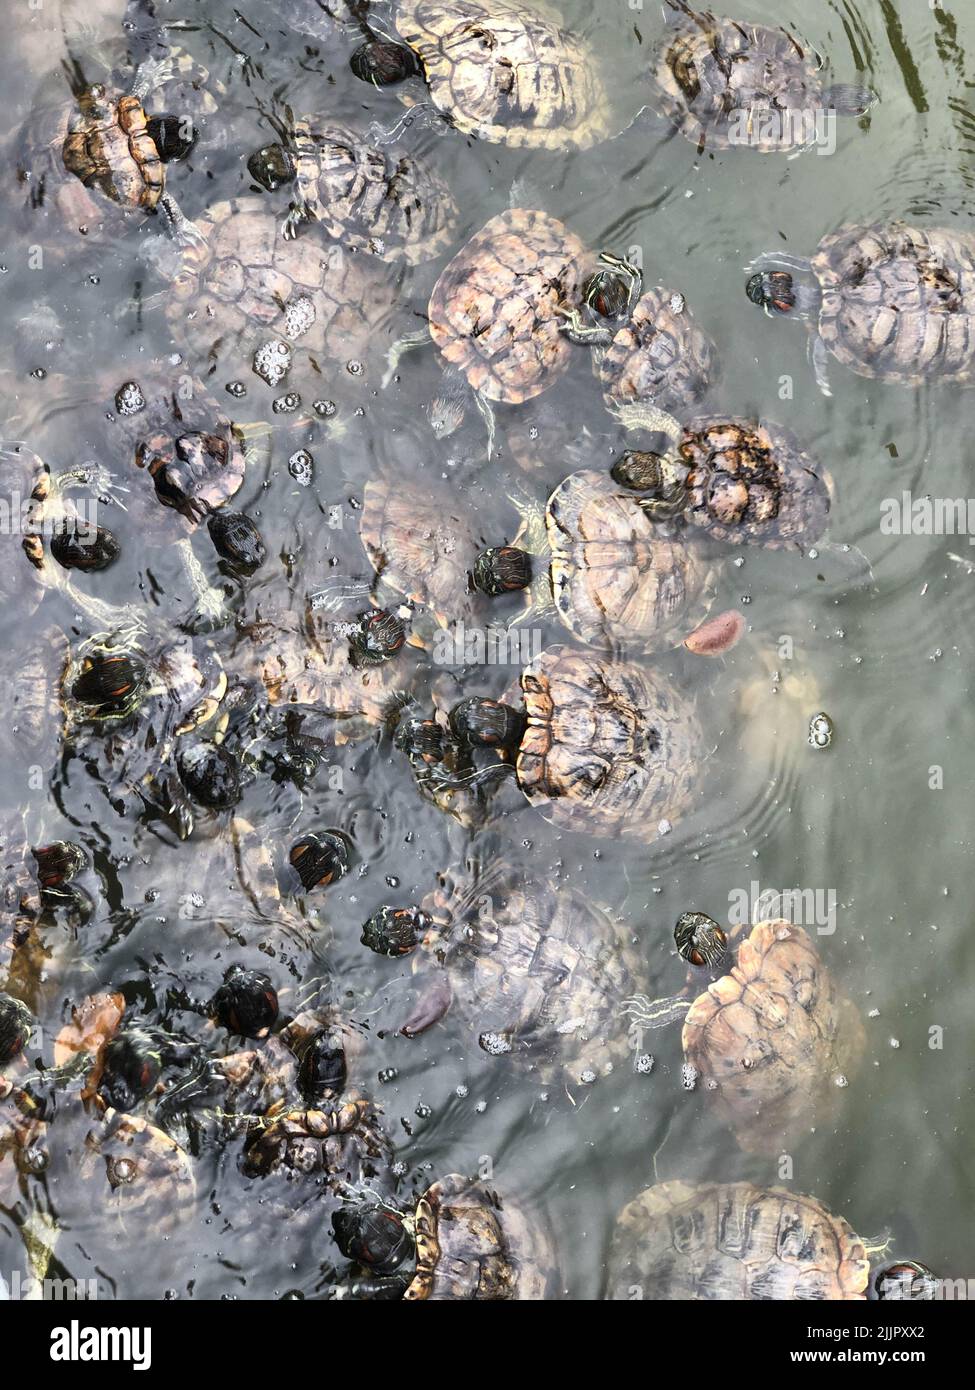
(750, 482)
(898, 302)
(735, 1241)
(494, 310)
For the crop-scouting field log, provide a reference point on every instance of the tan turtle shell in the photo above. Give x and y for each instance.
(420, 541)
(302, 660)
(620, 582)
(898, 302)
(472, 1245)
(610, 749)
(386, 203)
(541, 966)
(505, 73)
(725, 83)
(776, 1036)
(660, 355)
(733, 1241)
(108, 147)
(750, 482)
(247, 284)
(494, 310)
(138, 1172)
(343, 1141)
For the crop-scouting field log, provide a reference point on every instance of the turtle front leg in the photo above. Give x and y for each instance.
(399, 349)
(210, 606)
(153, 73)
(819, 355)
(581, 332)
(298, 214)
(177, 224)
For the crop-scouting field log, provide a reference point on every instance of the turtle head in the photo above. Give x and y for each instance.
(395, 931)
(58, 862)
(502, 570)
(322, 1070)
(94, 100)
(609, 291)
(271, 166)
(211, 775)
(377, 636)
(448, 408)
(131, 1068)
(772, 290)
(373, 1236)
(16, 1026)
(661, 479)
(110, 684)
(173, 136)
(421, 740)
(907, 1280)
(700, 941)
(319, 860)
(246, 1003)
(484, 723)
(383, 63)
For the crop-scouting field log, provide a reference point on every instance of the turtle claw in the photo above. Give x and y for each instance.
(293, 223)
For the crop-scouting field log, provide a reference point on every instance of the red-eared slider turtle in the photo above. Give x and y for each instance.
(723, 83)
(503, 72)
(100, 150)
(248, 296)
(774, 1038)
(735, 1241)
(649, 347)
(608, 749)
(535, 971)
(889, 301)
(616, 578)
(468, 1242)
(391, 206)
(745, 482)
(306, 660)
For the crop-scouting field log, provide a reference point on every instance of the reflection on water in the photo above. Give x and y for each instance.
(872, 628)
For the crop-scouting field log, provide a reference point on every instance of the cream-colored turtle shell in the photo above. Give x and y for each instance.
(734, 1241)
(777, 1037)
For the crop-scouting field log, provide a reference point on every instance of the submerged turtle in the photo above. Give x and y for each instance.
(744, 482)
(649, 348)
(470, 1243)
(890, 301)
(607, 749)
(735, 1241)
(502, 72)
(773, 1037)
(246, 293)
(392, 207)
(723, 83)
(534, 971)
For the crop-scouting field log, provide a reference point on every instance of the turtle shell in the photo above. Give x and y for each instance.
(494, 310)
(370, 199)
(472, 1245)
(898, 302)
(750, 482)
(134, 1169)
(420, 542)
(302, 660)
(734, 1241)
(542, 967)
(618, 580)
(343, 1142)
(610, 748)
(723, 83)
(660, 355)
(23, 1138)
(776, 1036)
(507, 74)
(246, 284)
(109, 147)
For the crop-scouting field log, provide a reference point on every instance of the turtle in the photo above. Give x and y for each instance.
(392, 207)
(608, 748)
(724, 83)
(100, 153)
(617, 578)
(736, 480)
(246, 294)
(649, 348)
(23, 1138)
(889, 300)
(534, 971)
(502, 72)
(303, 659)
(497, 312)
(773, 1037)
(735, 1241)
